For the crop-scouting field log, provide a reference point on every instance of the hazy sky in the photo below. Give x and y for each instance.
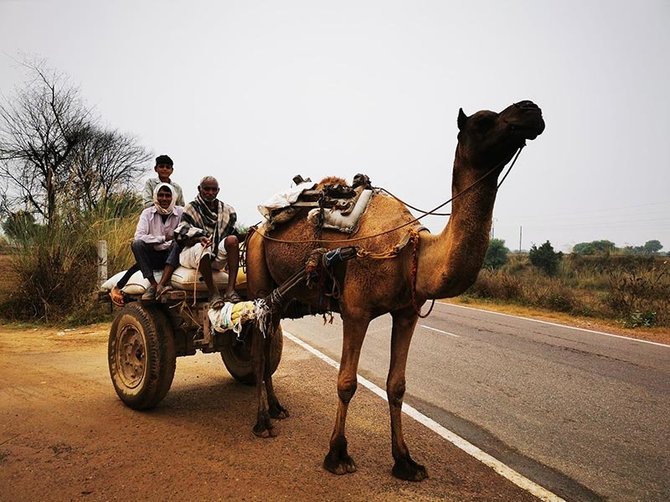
(254, 92)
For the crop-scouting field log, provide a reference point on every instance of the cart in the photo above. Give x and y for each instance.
(146, 338)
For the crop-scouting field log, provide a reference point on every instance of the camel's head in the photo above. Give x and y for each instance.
(487, 138)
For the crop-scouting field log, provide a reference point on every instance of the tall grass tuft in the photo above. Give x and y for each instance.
(57, 266)
(56, 272)
(640, 296)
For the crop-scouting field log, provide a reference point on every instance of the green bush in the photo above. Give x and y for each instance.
(56, 273)
(496, 254)
(545, 258)
(637, 319)
(19, 226)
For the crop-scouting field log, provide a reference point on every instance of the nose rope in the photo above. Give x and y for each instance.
(434, 211)
(512, 164)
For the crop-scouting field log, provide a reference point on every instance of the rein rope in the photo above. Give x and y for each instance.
(413, 220)
(433, 212)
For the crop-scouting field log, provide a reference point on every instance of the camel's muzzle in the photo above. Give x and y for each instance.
(524, 118)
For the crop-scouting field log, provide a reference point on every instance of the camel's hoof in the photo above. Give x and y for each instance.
(263, 427)
(339, 464)
(407, 469)
(278, 412)
(264, 432)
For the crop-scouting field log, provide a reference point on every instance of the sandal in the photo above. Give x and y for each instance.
(216, 302)
(117, 297)
(150, 294)
(232, 297)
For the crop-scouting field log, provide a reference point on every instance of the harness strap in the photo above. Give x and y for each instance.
(414, 239)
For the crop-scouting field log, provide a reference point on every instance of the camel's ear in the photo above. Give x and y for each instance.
(462, 118)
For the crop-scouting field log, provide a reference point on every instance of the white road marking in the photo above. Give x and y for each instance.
(555, 324)
(439, 330)
(502, 469)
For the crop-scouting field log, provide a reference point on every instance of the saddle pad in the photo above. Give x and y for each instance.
(335, 220)
(182, 278)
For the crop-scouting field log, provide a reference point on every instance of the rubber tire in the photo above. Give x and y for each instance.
(237, 356)
(150, 365)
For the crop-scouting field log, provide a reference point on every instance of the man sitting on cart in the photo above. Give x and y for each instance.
(209, 240)
(154, 246)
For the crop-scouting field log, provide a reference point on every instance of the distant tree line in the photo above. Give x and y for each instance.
(630, 285)
(547, 259)
(604, 247)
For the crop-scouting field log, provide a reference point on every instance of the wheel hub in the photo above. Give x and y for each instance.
(131, 358)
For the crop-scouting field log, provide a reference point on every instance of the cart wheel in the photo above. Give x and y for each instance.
(237, 355)
(141, 355)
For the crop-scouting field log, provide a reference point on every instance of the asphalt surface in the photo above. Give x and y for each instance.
(581, 413)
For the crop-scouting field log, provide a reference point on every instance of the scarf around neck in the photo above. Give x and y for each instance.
(158, 207)
(198, 220)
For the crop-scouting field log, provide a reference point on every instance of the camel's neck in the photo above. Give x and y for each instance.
(449, 263)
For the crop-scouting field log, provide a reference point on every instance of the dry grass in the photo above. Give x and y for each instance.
(628, 290)
(8, 277)
(56, 268)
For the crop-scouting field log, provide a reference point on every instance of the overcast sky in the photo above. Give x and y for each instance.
(254, 92)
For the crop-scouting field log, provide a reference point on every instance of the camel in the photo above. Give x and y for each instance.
(428, 267)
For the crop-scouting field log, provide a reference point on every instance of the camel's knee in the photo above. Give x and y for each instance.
(396, 392)
(346, 390)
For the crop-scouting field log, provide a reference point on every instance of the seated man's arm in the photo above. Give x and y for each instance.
(180, 198)
(148, 194)
(188, 235)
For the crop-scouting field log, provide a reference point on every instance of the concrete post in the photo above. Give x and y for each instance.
(102, 262)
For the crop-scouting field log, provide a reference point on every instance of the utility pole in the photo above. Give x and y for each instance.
(520, 235)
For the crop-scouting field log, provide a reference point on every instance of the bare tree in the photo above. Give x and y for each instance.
(106, 163)
(52, 149)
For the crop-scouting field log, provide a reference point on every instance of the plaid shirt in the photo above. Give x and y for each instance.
(198, 220)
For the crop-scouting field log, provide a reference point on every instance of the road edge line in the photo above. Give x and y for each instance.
(472, 450)
(558, 325)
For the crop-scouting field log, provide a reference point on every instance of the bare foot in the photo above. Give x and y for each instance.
(117, 297)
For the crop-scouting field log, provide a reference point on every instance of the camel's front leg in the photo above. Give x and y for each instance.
(404, 322)
(338, 460)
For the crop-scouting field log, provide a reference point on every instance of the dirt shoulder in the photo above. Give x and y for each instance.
(64, 435)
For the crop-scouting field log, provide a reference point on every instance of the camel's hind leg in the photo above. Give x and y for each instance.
(338, 460)
(263, 427)
(404, 322)
(260, 284)
(275, 409)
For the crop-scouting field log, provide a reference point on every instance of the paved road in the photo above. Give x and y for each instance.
(581, 413)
